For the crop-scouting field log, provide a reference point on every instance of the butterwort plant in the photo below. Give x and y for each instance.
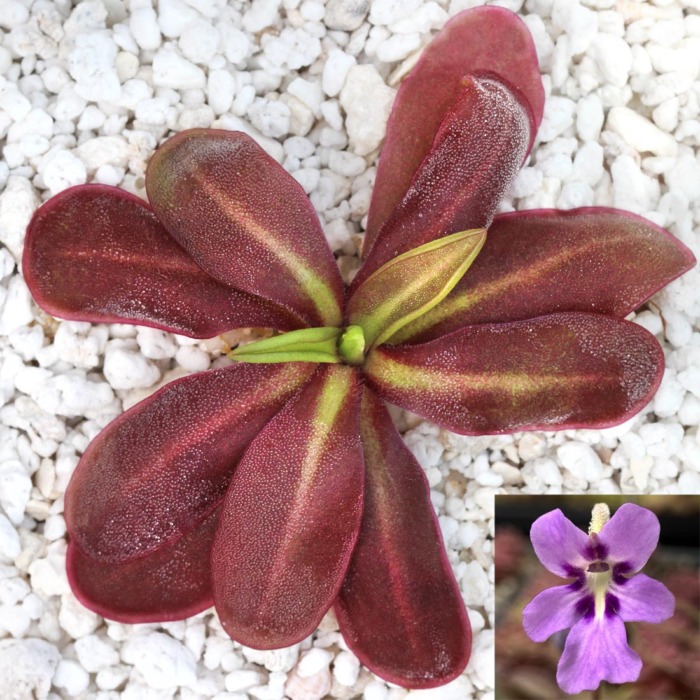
(607, 591)
(278, 486)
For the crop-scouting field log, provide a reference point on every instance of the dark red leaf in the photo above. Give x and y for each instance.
(172, 583)
(291, 516)
(400, 609)
(483, 39)
(245, 221)
(569, 370)
(475, 156)
(160, 468)
(97, 253)
(542, 261)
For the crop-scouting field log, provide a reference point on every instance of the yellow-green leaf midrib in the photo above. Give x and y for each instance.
(314, 286)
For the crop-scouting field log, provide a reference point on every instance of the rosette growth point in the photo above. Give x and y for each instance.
(278, 486)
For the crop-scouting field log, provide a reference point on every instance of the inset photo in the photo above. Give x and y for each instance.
(597, 597)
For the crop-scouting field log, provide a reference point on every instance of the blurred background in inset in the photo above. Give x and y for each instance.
(670, 651)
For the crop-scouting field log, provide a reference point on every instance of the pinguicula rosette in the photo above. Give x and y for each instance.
(606, 593)
(278, 487)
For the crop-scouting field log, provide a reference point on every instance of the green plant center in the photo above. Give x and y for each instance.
(325, 344)
(351, 345)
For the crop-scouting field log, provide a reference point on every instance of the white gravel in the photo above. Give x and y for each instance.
(86, 95)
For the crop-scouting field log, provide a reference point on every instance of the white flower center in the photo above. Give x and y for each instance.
(598, 579)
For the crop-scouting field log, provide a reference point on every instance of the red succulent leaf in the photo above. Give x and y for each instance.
(543, 261)
(96, 253)
(291, 516)
(568, 370)
(482, 39)
(475, 156)
(171, 583)
(400, 609)
(245, 221)
(160, 468)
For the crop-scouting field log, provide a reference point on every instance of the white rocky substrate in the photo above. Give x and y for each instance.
(88, 92)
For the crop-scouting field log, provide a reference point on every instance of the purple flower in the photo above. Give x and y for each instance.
(605, 594)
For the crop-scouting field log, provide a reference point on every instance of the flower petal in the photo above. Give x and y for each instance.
(559, 544)
(164, 465)
(245, 221)
(400, 609)
(543, 261)
(487, 39)
(569, 370)
(96, 253)
(476, 154)
(553, 610)
(642, 599)
(171, 583)
(596, 650)
(291, 516)
(630, 536)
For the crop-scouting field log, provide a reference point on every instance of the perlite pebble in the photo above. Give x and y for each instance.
(75, 618)
(581, 460)
(111, 678)
(199, 42)
(48, 575)
(558, 117)
(346, 15)
(27, 667)
(15, 487)
(613, 57)
(95, 654)
(375, 690)
(661, 439)
(17, 307)
(221, 87)
(689, 482)
(171, 70)
(640, 133)
(314, 687)
(483, 657)
(313, 661)
(163, 661)
(346, 668)
(669, 397)
(192, 359)
(125, 369)
(474, 584)
(17, 204)
(280, 660)
(242, 680)
(71, 677)
(397, 47)
(91, 65)
(9, 540)
(548, 471)
(367, 102)
(335, 71)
